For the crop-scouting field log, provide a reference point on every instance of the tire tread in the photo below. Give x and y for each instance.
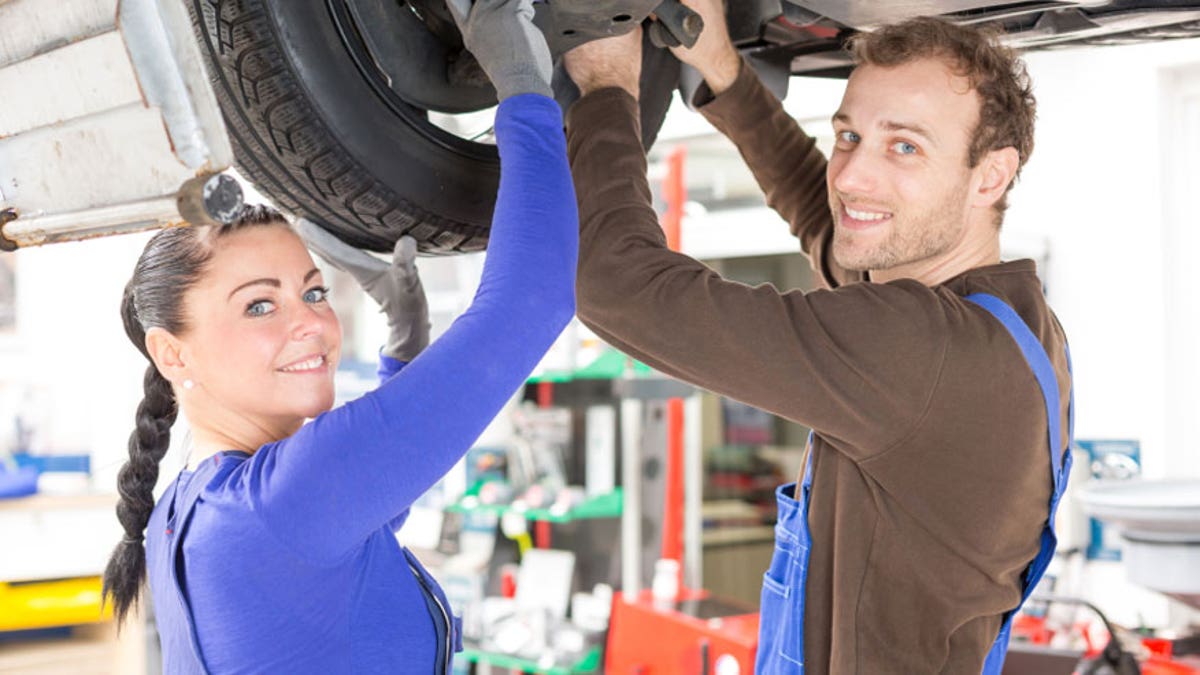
(288, 153)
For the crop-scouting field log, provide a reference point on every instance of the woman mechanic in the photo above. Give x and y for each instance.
(273, 550)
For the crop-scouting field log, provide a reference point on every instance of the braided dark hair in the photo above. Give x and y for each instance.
(173, 261)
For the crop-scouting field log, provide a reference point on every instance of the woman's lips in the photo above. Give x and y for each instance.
(309, 364)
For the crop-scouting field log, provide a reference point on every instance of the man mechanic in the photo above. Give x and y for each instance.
(934, 376)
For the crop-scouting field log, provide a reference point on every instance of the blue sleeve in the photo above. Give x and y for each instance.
(351, 470)
(388, 367)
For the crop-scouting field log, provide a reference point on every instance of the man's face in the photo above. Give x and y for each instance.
(898, 178)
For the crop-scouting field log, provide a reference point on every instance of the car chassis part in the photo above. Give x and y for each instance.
(132, 141)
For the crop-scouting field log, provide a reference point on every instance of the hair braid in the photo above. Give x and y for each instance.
(147, 444)
(173, 261)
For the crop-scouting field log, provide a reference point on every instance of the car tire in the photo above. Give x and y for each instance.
(313, 132)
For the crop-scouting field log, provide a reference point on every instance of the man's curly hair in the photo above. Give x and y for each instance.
(1007, 107)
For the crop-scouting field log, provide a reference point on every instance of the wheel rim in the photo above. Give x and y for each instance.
(407, 70)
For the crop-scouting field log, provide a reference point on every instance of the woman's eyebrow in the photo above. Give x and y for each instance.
(268, 282)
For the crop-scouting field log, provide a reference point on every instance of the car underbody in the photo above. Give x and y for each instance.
(347, 112)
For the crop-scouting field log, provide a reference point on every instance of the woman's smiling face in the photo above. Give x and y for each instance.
(263, 342)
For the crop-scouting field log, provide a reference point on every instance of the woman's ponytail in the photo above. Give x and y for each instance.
(172, 262)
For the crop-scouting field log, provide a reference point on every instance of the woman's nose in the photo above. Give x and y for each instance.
(306, 321)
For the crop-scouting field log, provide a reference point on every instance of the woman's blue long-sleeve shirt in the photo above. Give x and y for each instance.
(289, 563)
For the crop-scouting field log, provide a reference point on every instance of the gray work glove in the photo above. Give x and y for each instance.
(396, 287)
(511, 50)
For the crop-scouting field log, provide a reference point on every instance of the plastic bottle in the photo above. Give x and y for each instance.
(665, 587)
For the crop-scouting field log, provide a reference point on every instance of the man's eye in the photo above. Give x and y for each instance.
(847, 137)
(315, 295)
(260, 308)
(904, 148)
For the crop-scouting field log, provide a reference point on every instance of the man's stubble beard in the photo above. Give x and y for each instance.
(911, 238)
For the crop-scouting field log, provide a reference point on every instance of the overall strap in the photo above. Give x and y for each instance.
(185, 507)
(807, 479)
(1035, 355)
(1060, 464)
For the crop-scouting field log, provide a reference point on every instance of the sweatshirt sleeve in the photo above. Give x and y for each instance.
(348, 472)
(388, 367)
(829, 359)
(785, 161)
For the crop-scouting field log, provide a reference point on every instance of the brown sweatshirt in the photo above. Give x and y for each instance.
(931, 467)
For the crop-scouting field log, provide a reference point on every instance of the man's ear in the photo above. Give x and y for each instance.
(995, 172)
(167, 353)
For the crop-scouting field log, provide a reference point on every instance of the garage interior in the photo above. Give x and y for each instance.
(603, 479)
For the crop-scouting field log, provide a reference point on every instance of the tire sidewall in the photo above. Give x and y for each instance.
(389, 146)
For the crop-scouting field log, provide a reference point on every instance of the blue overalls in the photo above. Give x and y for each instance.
(173, 515)
(181, 653)
(781, 618)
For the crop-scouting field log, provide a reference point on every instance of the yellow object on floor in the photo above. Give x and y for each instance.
(47, 604)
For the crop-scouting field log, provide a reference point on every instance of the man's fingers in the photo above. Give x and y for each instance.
(607, 62)
(706, 8)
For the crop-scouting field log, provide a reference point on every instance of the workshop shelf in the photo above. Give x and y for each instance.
(590, 663)
(600, 506)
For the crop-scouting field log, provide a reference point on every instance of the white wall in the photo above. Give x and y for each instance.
(71, 352)
(1110, 186)
(1095, 188)
(1181, 241)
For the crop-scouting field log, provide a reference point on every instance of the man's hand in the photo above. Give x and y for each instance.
(396, 287)
(609, 62)
(713, 54)
(511, 50)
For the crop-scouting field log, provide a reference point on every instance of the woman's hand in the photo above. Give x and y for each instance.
(511, 50)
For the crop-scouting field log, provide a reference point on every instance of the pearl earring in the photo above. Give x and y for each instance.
(188, 384)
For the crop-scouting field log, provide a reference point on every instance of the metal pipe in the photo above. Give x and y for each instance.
(673, 504)
(631, 509)
(693, 495)
(211, 199)
(90, 223)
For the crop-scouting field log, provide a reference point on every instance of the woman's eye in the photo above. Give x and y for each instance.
(904, 148)
(847, 137)
(315, 295)
(260, 308)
